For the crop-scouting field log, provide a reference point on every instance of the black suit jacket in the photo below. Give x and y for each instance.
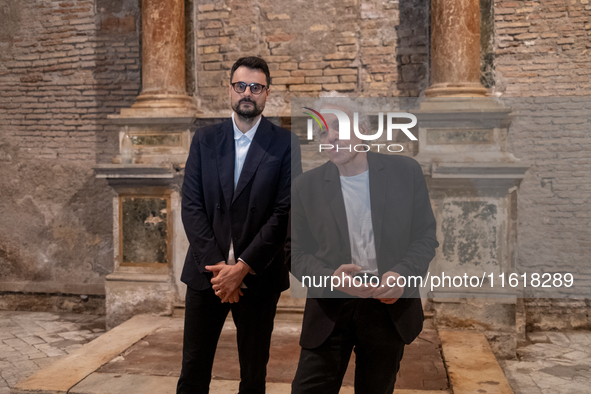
(404, 233)
(254, 215)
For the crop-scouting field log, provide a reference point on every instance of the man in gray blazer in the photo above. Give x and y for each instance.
(361, 212)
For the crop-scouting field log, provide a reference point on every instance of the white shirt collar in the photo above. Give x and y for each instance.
(249, 134)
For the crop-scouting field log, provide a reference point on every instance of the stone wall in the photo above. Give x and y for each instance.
(64, 66)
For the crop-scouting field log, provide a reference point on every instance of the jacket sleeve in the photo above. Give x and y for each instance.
(302, 261)
(270, 239)
(296, 170)
(423, 241)
(204, 247)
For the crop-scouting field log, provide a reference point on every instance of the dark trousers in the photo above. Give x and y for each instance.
(365, 326)
(204, 318)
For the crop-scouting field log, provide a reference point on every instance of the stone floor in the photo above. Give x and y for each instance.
(554, 363)
(159, 354)
(30, 341)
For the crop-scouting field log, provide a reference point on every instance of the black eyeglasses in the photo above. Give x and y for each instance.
(255, 88)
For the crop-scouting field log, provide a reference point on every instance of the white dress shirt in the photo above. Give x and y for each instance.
(242, 143)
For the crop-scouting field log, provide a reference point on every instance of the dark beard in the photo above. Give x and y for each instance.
(247, 113)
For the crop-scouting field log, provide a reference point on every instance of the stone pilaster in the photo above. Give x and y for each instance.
(455, 49)
(158, 125)
(163, 61)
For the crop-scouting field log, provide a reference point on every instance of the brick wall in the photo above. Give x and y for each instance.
(543, 48)
(370, 48)
(64, 66)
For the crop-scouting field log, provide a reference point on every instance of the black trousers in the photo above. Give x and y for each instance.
(204, 318)
(365, 326)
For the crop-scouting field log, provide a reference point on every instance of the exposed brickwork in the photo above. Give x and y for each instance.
(370, 48)
(554, 203)
(62, 70)
(64, 66)
(543, 49)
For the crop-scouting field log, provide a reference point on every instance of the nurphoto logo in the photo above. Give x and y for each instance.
(344, 127)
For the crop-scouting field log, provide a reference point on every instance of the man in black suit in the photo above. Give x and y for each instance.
(236, 199)
(359, 213)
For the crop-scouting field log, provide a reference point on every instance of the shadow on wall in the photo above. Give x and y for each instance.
(412, 47)
(10, 17)
(118, 68)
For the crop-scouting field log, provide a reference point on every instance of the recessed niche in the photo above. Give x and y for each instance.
(144, 230)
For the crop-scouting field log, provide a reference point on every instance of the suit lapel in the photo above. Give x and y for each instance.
(225, 148)
(334, 195)
(258, 148)
(377, 196)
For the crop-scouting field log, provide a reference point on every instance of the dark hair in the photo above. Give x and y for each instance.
(254, 63)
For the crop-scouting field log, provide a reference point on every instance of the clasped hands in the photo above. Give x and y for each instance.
(227, 279)
(388, 292)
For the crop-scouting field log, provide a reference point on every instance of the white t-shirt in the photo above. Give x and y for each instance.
(358, 207)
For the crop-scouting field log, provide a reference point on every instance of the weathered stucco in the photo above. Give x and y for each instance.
(55, 224)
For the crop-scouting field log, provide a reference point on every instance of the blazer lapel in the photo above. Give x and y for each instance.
(334, 196)
(258, 148)
(377, 196)
(225, 148)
